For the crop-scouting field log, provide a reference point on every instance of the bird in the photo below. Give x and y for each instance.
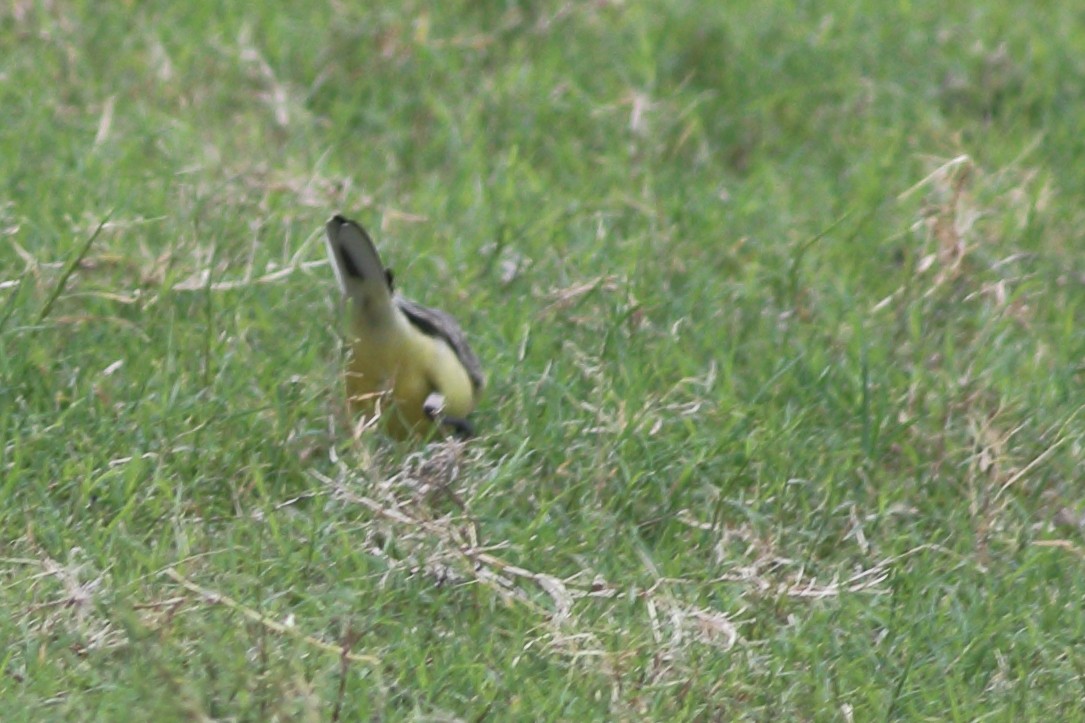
(409, 365)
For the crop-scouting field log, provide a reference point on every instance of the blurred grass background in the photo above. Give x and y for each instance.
(777, 303)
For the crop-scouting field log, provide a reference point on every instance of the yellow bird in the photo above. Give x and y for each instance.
(409, 364)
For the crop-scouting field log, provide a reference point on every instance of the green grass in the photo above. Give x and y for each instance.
(778, 306)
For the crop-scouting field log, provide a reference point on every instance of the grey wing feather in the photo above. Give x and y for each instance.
(435, 322)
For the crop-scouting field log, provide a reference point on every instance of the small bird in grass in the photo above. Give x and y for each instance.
(409, 364)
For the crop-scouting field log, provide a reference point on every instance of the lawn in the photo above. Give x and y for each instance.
(778, 305)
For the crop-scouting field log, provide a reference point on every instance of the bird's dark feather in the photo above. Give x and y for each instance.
(437, 323)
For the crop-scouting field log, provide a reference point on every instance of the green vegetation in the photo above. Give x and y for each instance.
(778, 304)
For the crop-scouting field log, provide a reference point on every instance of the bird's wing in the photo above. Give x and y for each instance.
(434, 322)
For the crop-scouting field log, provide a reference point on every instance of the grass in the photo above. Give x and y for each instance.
(778, 306)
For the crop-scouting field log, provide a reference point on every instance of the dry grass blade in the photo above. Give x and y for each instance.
(483, 566)
(198, 281)
(219, 599)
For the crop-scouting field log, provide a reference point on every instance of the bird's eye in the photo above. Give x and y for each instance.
(390, 278)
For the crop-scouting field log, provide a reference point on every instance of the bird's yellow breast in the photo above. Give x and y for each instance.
(393, 370)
